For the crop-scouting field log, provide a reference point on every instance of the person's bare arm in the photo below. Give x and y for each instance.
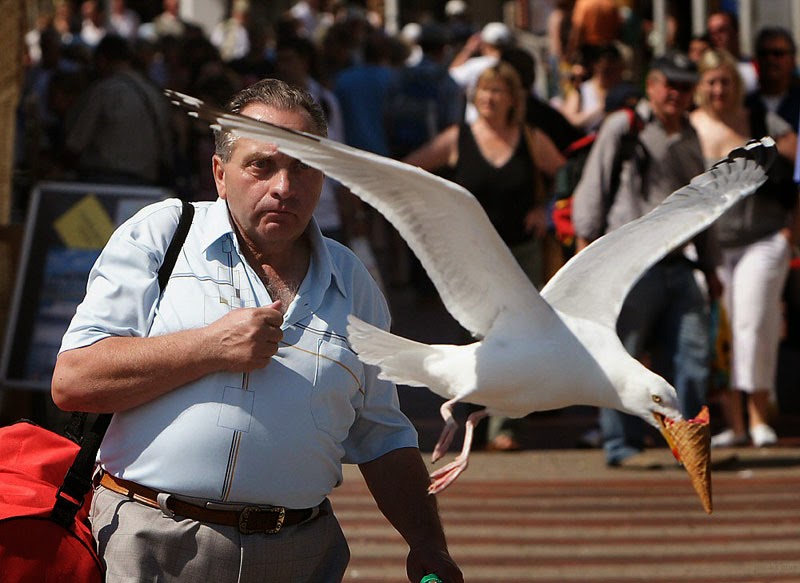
(441, 151)
(399, 483)
(576, 115)
(470, 49)
(787, 145)
(581, 244)
(118, 373)
(548, 158)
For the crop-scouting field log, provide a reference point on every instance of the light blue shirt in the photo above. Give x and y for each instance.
(276, 436)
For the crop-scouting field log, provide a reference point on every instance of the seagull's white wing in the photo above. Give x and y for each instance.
(594, 283)
(445, 226)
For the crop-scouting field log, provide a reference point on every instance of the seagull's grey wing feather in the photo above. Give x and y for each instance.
(445, 226)
(594, 283)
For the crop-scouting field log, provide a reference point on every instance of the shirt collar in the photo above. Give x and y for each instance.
(322, 268)
(217, 224)
(645, 111)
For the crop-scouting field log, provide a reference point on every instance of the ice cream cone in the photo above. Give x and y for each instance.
(692, 442)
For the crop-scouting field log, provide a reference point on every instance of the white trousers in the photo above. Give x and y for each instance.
(754, 277)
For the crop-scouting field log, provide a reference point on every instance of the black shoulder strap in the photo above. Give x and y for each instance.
(78, 481)
(626, 150)
(175, 246)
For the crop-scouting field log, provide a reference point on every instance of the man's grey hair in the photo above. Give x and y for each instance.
(272, 93)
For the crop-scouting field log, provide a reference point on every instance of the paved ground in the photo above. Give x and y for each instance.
(556, 514)
(560, 516)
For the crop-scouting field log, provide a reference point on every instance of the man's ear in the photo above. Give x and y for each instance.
(218, 169)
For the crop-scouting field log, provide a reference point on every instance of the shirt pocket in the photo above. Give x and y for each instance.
(338, 389)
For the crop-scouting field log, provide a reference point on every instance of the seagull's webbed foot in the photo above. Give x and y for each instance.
(443, 477)
(449, 431)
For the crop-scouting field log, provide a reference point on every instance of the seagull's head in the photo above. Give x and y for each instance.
(650, 397)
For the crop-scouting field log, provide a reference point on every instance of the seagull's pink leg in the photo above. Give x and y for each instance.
(449, 431)
(443, 477)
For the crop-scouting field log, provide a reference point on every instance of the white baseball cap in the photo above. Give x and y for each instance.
(455, 8)
(498, 34)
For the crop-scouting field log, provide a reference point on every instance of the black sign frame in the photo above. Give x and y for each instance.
(51, 279)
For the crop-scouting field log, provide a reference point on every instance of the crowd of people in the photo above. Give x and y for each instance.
(458, 99)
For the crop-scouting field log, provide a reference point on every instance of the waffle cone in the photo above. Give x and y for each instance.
(692, 439)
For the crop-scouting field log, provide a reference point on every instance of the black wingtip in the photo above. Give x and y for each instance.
(225, 120)
(763, 152)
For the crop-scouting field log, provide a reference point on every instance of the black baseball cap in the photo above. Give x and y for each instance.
(676, 67)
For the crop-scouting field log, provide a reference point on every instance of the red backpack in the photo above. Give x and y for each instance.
(34, 547)
(46, 486)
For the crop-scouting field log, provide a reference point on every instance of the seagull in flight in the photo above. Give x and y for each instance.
(533, 351)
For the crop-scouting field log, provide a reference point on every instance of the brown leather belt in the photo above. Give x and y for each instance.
(248, 520)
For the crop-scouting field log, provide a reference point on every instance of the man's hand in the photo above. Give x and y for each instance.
(424, 560)
(118, 373)
(536, 222)
(246, 339)
(399, 483)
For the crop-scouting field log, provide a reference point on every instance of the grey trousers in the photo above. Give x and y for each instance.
(141, 544)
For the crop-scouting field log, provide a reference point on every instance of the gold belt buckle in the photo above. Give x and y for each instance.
(245, 514)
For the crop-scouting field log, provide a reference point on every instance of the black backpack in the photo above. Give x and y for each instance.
(569, 175)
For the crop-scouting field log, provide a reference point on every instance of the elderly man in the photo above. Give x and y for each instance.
(664, 317)
(236, 396)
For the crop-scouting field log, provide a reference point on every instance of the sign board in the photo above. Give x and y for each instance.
(67, 226)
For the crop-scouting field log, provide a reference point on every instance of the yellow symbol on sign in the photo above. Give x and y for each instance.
(86, 225)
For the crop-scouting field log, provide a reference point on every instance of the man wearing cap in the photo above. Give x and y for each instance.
(665, 316)
(467, 66)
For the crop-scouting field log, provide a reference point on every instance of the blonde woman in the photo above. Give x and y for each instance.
(755, 239)
(493, 159)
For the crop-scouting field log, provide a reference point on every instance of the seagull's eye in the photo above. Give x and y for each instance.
(656, 399)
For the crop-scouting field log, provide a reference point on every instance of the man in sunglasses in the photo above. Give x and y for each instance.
(779, 87)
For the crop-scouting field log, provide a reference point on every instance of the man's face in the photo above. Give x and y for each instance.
(720, 29)
(669, 99)
(775, 60)
(696, 49)
(270, 195)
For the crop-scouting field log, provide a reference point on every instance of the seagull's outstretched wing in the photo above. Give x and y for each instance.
(594, 283)
(445, 226)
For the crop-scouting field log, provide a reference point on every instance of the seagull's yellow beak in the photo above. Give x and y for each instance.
(662, 426)
(690, 442)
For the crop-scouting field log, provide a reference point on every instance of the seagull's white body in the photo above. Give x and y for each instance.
(518, 371)
(535, 351)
